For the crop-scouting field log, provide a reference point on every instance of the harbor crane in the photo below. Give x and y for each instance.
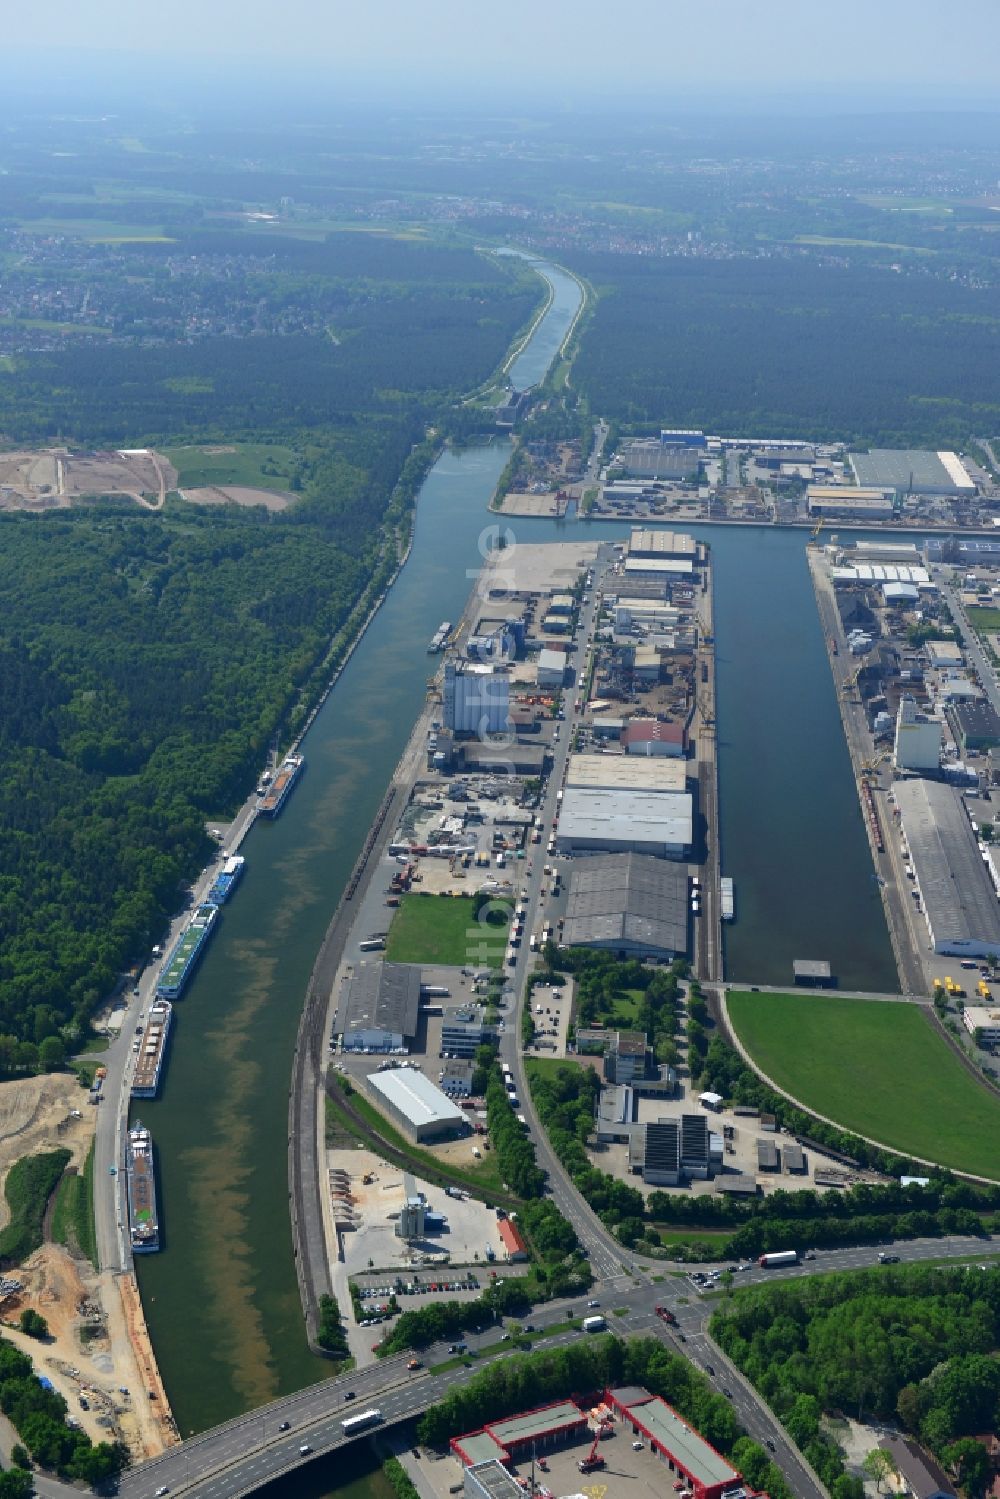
(817, 528)
(870, 767)
(852, 682)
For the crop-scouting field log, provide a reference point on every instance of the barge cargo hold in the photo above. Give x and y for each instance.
(152, 1050)
(226, 880)
(440, 637)
(187, 950)
(727, 898)
(287, 774)
(143, 1220)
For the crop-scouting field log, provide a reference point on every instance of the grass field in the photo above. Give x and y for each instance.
(441, 929)
(233, 463)
(97, 231)
(984, 621)
(875, 1067)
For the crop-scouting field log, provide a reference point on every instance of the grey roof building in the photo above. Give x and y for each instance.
(959, 903)
(628, 903)
(918, 1470)
(912, 471)
(382, 1006)
(646, 822)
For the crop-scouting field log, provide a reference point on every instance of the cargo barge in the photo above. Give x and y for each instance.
(287, 774)
(152, 1049)
(143, 1221)
(727, 898)
(187, 950)
(440, 637)
(226, 880)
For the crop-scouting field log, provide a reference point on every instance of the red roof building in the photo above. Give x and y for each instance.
(512, 1240)
(647, 736)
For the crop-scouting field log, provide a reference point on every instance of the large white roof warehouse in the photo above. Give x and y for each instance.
(959, 903)
(642, 822)
(413, 1100)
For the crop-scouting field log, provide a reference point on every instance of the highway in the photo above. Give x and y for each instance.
(238, 1457)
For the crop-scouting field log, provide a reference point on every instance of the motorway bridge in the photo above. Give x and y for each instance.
(244, 1454)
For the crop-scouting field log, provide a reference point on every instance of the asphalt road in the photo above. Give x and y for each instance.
(236, 1458)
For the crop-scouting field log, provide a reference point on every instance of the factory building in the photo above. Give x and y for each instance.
(615, 773)
(413, 1102)
(382, 1006)
(918, 739)
(671, 1151)
(649, 543)
(848, 503)
(411, 1222)
(551, 669)
(629, 904)
(503, 757)
(475, 699)
(662, 570)
(977, 726)
(645, 457)
(959, 903)
(647, 736)
(642, 822)
(907, 471)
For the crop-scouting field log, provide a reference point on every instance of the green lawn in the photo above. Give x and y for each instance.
(875, 1067)
(441, 930)
(257, 465)
(984, 621)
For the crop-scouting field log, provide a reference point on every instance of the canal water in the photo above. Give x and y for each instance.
(222, 1300)
(534, 359)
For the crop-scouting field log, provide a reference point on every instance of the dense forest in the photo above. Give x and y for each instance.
(148, 660)
(789, 348)
(912, 1344)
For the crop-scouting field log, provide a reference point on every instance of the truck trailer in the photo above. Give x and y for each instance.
(776, 1260)
(594, 1324)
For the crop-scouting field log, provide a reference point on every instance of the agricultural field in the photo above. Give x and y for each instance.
(877, 1068)
(442, 930)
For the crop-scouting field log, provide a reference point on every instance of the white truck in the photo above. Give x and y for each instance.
(594, 1324)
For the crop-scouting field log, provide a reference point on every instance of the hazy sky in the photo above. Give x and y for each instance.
(930, 50)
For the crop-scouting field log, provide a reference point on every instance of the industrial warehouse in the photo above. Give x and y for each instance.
(959, 901)
(413, 1102)
(651, 1427)
(635, 821)
(629, 904)
(382, 1007)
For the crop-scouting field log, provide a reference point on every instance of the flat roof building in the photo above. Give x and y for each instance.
(648, 736)
(644, 542)
(491, 1480)
(959, 903)
(847, 502)
(382, 1007)
(645, 822)
(986, 1020)
(629, 904)
(977, 726)
(686, 1452)
(811, 971)
(551, 668)
(658, 567)
(918, 738)
(503, 1440)
(631, 773)
(414, 1103)
(912, 471)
